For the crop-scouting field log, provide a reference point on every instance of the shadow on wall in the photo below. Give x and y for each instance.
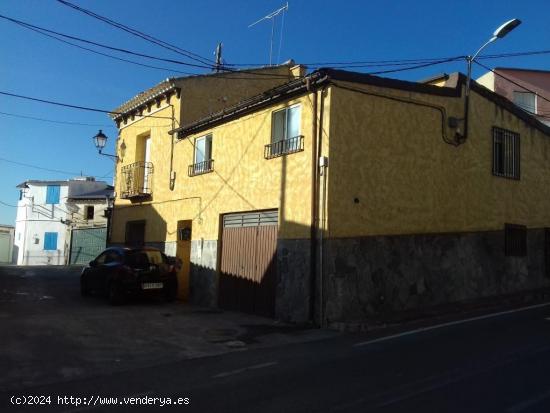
(15, 254)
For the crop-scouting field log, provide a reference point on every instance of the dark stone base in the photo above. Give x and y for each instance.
(293, 280)
(203, 276)
(376, 276)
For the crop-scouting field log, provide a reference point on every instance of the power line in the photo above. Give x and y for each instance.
(126, 51)
(403, 69)
(76, 123)
(8, 205)
(397, 62)
(118, 49)
(513, 82)
(139, 34)
(56, 121)
(74, 106)
(108, 55)
(42, 168)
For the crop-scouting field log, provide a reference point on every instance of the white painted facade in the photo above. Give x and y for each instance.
(36, 217)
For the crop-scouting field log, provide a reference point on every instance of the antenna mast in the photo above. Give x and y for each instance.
(271, 17)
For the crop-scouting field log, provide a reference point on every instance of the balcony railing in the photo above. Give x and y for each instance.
(286, 146)
(137, 180)
(200, 168)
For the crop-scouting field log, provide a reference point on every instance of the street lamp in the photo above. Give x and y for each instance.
(499, 33)
(99, 141)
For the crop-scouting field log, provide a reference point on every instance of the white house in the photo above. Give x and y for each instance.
(6, 244)
(49, 211)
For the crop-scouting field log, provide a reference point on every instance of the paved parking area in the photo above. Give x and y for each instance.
(50, 333)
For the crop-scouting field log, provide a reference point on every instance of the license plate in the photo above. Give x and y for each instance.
(151, 286)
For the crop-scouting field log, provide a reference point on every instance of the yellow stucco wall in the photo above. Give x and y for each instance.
(199, 97)
(242, 179)
(391, 157)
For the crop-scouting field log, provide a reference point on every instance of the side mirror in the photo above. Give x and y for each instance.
(92, 263)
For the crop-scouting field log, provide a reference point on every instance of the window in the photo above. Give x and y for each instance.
(90, 212)
(285, 132)
(203, 161)
(50, 241)
(526, 100)
(52, 194)
(506, 153)
(515, 240)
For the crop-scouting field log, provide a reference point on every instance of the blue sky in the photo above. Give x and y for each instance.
(319, 31)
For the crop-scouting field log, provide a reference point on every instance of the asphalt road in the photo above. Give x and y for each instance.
(499, 363)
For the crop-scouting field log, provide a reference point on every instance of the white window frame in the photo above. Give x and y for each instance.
(522, 92)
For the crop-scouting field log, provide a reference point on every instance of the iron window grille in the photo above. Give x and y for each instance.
(137, 180)
(200, 168)
(506, 153)
(515, 240)
(284, 147)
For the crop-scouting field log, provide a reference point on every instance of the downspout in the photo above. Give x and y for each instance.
(314, 201)
(172, 177)
(321, 228)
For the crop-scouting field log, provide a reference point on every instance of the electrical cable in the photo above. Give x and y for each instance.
(144, 36)
(56, 121)
(126, 51)
(75, 106)
(166, 69)
(42, 168)
(513, 82)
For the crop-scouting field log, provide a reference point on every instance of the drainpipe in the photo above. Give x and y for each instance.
(172, 178)
(322, 207)
(314, 201)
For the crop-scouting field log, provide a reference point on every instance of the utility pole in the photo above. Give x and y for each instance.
(219, 63)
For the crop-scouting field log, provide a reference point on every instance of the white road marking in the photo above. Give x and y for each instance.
(238, 371)
(451, 323)
(528, 403)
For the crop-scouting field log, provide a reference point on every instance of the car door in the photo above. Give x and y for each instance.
(109, 268)
(94, 272)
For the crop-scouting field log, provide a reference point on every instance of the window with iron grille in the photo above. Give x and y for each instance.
(202, 156)
(285, 132)
(515, 240)
(506, 153)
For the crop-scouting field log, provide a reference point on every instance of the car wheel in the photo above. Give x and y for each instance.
(114, 294)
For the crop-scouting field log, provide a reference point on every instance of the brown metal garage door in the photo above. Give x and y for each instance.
(248, 270)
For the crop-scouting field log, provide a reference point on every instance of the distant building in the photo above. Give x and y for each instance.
(50, 213)
(537, 81)
(6, 244)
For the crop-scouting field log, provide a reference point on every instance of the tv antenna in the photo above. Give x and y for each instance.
(272, 17)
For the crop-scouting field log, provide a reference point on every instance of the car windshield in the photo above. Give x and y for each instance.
(143, 258)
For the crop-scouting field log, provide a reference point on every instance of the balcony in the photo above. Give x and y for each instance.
(137, 180)
(284, 147)
(200, 168)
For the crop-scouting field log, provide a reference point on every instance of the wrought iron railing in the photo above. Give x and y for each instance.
(200, 168)
(137, 180)
(286, 146)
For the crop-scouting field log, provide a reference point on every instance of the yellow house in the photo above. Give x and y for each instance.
(341, 196)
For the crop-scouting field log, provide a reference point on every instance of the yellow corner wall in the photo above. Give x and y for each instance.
(199, 96)
(390, 156)
(242, 179)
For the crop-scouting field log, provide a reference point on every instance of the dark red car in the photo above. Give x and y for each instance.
(119, 272)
